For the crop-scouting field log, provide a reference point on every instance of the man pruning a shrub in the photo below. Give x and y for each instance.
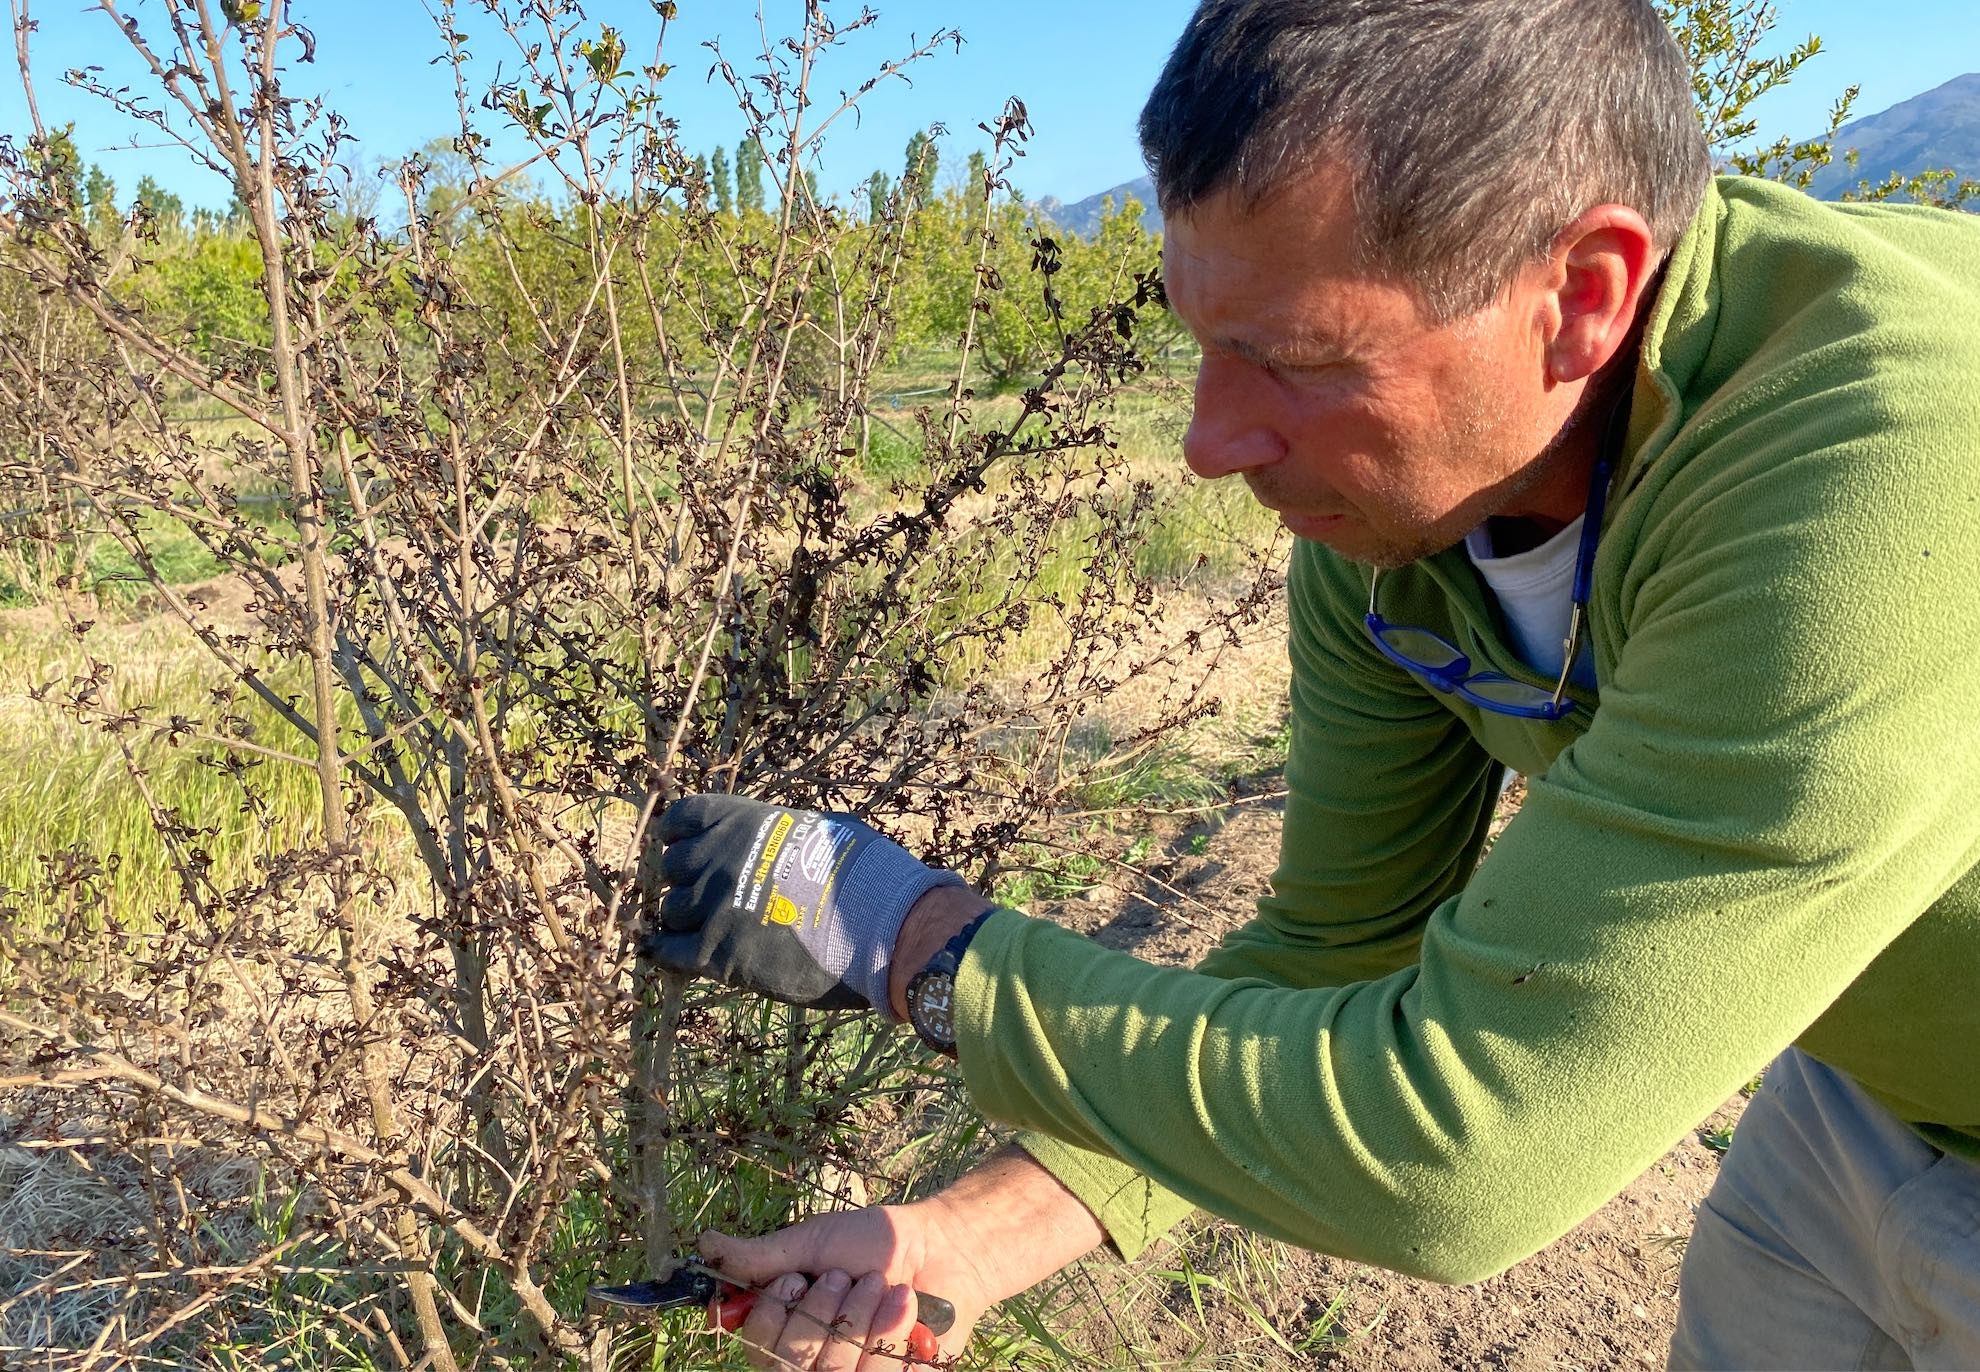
(1661, 490)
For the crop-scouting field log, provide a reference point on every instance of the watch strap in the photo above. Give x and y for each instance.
(942, 967)
(948, 958)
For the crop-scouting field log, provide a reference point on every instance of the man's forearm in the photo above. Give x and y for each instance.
(1014, 1222)
(1010, 1218)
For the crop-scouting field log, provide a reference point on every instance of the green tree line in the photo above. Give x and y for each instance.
(200, 267)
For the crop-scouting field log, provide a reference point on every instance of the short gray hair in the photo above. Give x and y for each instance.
(1475, 130)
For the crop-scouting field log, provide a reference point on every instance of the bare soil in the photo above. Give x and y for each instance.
(1605, 1296)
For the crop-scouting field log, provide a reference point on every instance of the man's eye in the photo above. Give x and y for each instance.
(1304, 369)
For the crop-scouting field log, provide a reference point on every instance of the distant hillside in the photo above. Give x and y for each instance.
(1083, 217)
(1940, 128)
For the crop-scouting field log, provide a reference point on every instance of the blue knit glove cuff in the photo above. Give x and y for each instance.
(881, 884)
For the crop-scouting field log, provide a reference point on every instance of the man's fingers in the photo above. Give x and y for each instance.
(682, 858)
(698, 890)
(854, 1328)
(690, 815)
(814, 1320)
(764, 1326)
(892, 1323)
(675, 953)
(867, 1240)
(678, 912)
(755, 1261)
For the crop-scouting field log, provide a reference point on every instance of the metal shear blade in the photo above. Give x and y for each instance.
(688, 1284)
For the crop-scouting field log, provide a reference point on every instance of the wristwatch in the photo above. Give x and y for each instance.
(931, 995)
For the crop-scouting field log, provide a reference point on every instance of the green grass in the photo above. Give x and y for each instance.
(1037, 873)
(1195, 536)
(104, 566)
(1195, 1285)
(288, 1319)
(65, 789)
(1208, 1305)
(1207, 531)
(894, 453)
(1166, 776)
(178, 557)
(319, 1306)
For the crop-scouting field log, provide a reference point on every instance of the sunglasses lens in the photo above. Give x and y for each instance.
(1421, 647)
(1499, 690)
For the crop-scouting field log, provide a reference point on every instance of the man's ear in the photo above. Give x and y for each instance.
(1597, 272)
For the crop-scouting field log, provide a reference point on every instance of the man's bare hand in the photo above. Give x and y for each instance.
(997, 1231)
(823, 1324)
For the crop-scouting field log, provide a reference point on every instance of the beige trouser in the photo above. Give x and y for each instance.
(1835, 1237)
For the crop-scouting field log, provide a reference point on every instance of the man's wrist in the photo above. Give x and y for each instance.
(936, 918)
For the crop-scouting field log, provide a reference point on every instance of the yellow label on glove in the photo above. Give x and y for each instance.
(777, 835)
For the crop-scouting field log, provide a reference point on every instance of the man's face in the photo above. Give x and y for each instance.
(1346, 408)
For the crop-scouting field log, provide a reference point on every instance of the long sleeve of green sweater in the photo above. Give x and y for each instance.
(1761, 833)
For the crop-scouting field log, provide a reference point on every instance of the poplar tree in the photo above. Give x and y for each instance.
(167, 210)
(807, 186)
(918, 177)
(749, 175)
(100, 195)
(719, 180)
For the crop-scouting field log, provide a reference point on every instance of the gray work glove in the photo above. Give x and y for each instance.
(799, 906)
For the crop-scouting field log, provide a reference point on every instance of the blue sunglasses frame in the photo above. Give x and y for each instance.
(1407, 645)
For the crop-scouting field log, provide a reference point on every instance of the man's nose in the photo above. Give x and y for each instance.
(1231, 425)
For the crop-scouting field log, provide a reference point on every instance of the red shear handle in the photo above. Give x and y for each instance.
(729, 1311)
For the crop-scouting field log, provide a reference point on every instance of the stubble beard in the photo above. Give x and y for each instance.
(1483, 423)
(1480, 425)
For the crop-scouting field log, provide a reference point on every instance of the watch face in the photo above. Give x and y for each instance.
(931, 1001)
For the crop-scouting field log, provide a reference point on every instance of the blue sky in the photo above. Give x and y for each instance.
(1081, 66)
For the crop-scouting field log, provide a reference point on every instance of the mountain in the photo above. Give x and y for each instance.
(1083, 216)
(1940, 128)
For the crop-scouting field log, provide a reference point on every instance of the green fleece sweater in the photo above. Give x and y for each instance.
(1763, 831)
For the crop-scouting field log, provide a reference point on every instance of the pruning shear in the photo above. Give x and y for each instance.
(684, 1282)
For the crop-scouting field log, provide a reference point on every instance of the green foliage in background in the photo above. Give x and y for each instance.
(202, 266)
(1723, 41)
(476, 310)
(212, 282)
